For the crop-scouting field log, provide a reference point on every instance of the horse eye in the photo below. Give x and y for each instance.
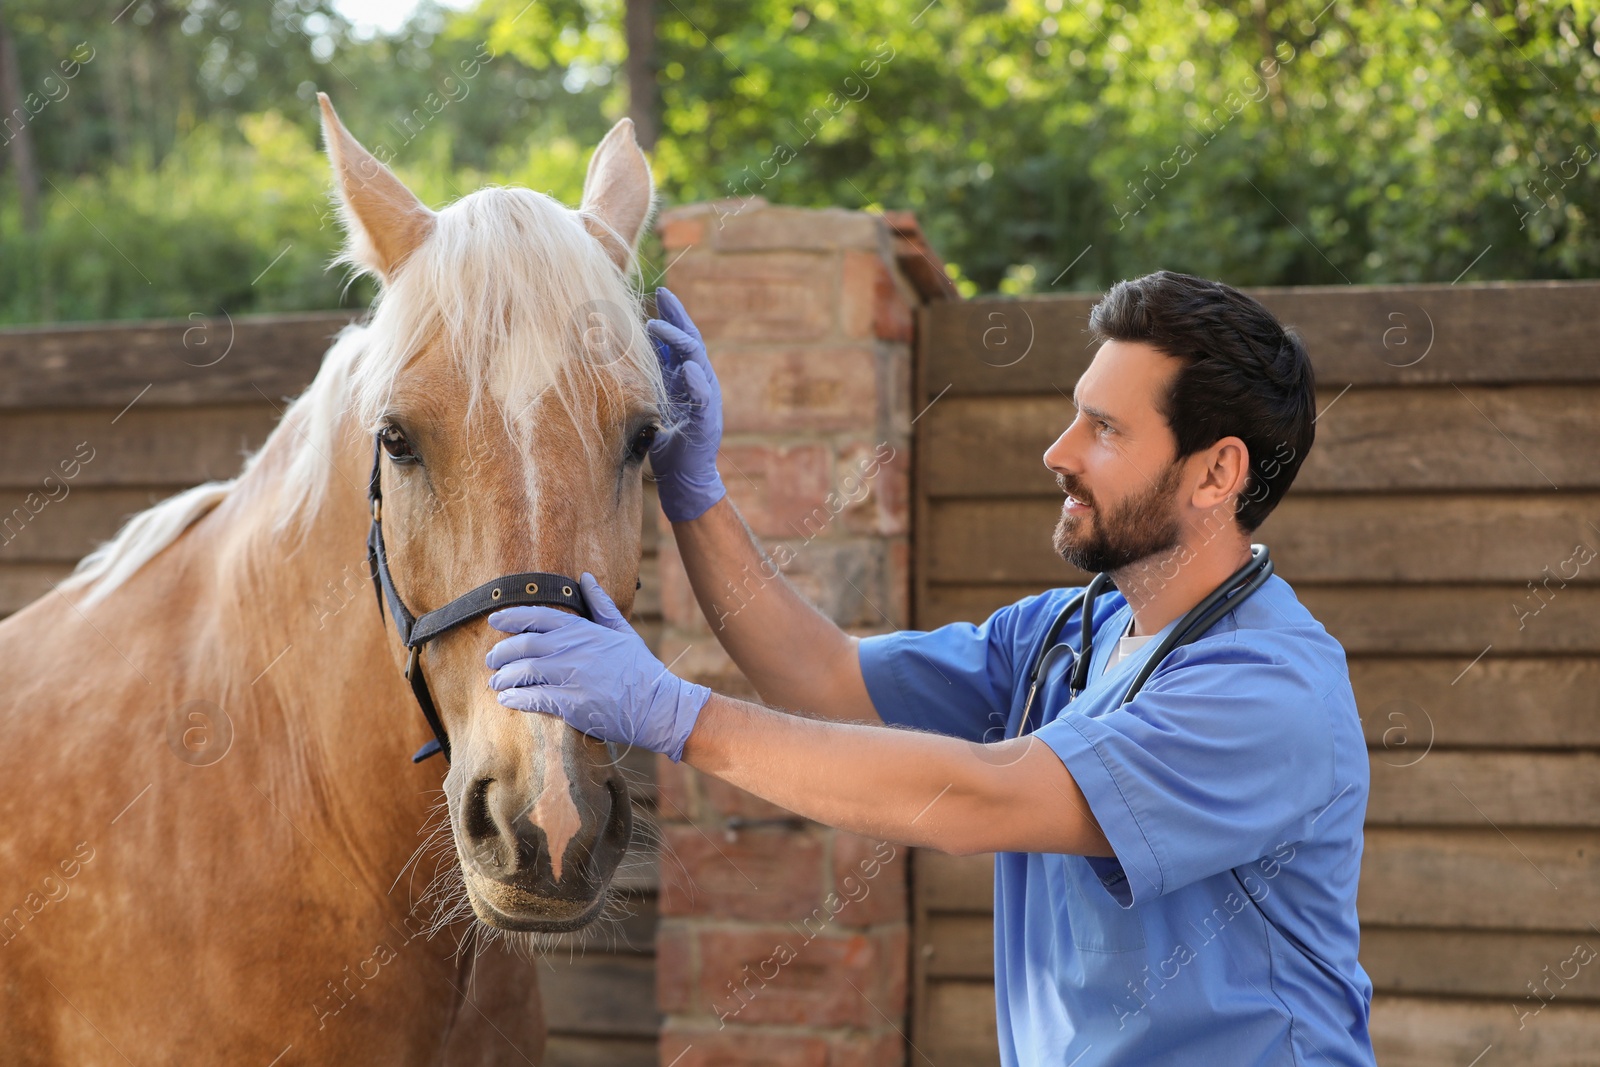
(641, 443)
(395, 444)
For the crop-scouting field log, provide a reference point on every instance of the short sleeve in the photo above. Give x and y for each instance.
(956, 680)
(1226, 753)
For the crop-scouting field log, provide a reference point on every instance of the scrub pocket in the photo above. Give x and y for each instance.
(1099, 923)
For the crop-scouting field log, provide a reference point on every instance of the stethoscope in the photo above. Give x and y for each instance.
(1221, 600)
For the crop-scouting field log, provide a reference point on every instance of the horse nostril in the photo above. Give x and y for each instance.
(479, 826)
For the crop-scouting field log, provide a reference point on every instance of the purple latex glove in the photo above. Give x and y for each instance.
(684, 456)
(598, 676)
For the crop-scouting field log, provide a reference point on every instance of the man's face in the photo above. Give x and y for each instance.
(1116, 463)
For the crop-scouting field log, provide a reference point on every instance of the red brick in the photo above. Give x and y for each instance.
(702, 660)
(679, 609)
(892, 316)
(689, 796)
(883, 1049)
(875, 479)
(676, 788)
(724, 213)
(751, 874)
(739, 1047)
(676, 974)
(842, 576)
(682, 231)
(811, 974)
(811, 390)
(863, 278)
(776, 487)
(899, 583)
(771, 228)
(872, 876)
(766, 297)
(723, 801)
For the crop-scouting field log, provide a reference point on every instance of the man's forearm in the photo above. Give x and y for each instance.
(795, 656)
(898, 785)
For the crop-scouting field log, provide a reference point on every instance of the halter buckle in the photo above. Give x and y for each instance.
(411, 663)
(377, 509)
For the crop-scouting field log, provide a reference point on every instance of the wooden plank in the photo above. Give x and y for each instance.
(958, 946)
(1409, 705)
(63, 530)
(641, 869)
(628, 927)
(1414, 787)
(195, 361)
(1368, 335)
(1380, 620)
(638, 766)
(1411, 334)
(570, 1051)
(1450, 878)
(1456, 619)
(1344, 538)
(1476, 878)
(1407, 1031)
(1526, 968)
(1483, 878)
(953, 883)
(23, 583)
(960, 1029)
(1399, 960)
(600, 994)
(1005, 346)
(1455, 962)
(1517, 437)
(146, 446)
(1437, 1032)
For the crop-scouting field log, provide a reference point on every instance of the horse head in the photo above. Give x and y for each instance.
(512, 395)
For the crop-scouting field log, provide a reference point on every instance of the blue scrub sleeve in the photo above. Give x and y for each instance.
(1226, 753)
(956, 680)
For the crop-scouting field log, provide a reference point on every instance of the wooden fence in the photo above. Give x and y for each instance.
(1444, 529)
(164, 406)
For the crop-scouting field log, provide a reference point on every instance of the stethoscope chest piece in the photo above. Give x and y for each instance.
(1046, 662)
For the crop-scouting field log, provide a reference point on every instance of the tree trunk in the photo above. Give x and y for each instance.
(17, 132)
(640, 29)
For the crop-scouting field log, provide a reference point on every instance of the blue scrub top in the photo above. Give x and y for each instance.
(1232, 789)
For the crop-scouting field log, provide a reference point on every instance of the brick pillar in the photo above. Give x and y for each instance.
(782, 941)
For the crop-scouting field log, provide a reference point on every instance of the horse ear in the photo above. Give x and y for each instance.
(618, 193)
(384, 220)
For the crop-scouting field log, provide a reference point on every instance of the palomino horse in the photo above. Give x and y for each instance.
(241, 896)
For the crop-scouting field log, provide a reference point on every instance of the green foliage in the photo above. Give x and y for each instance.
(1045, 144)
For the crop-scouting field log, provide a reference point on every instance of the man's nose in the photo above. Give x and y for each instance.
(1059, 458)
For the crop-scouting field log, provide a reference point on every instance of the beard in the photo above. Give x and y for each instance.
(1112, 539)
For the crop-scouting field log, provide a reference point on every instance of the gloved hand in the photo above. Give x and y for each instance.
(598, 676)
(684, 457)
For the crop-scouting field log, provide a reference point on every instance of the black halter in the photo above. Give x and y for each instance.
(510, 590)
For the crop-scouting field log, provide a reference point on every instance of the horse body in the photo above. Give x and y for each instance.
(211, 824)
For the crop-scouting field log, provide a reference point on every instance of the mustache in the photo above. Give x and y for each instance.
(1073, 489)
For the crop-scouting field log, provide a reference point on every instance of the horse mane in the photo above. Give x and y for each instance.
(511, 281)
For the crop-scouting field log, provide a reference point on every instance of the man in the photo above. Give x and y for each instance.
(1175, 878)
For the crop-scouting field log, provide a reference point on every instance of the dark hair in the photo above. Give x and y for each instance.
(1244, 375)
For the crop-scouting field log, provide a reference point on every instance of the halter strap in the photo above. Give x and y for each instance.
(528, 588)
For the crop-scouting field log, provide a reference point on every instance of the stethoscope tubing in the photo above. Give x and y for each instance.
(1194, 624)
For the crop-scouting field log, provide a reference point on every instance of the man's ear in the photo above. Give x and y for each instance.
(1227, 471)
(618, 193)
(384, 222)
